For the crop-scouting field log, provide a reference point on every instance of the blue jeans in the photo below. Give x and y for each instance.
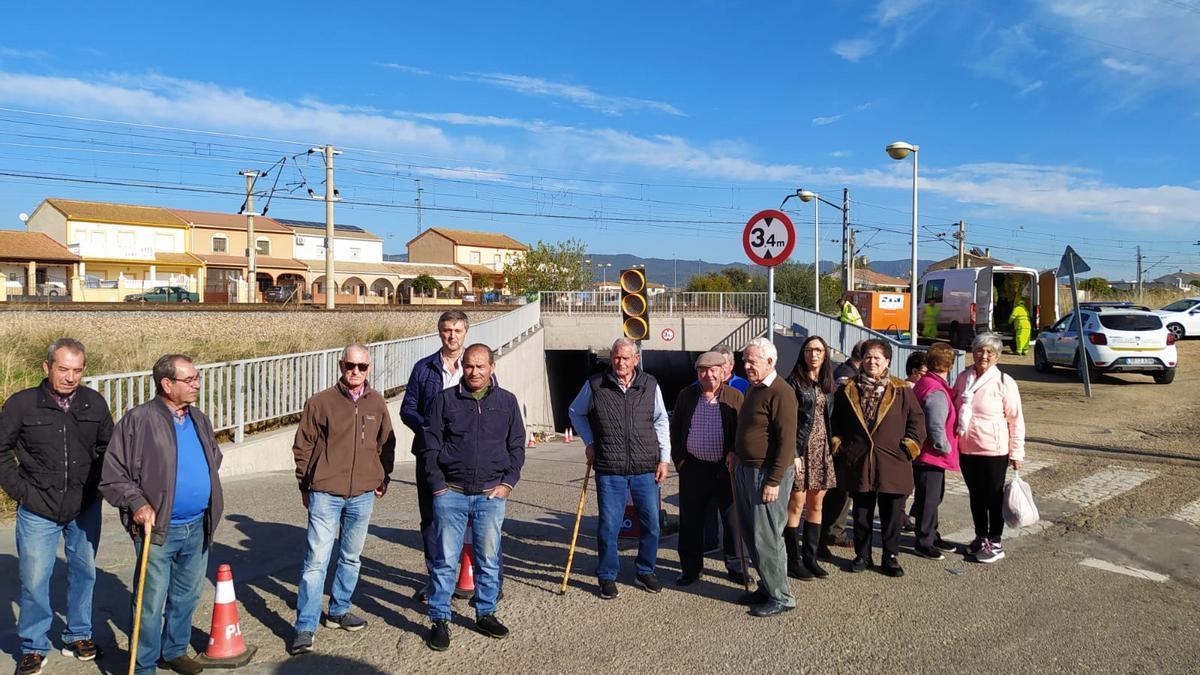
(611, 491)
(174, 578)
(450, 513)
(37, 549)
(327, 515)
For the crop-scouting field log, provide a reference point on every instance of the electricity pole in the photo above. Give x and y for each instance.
(331, 196)
(850, 267)
(962, 242)
(251, 273)
(1139, 273)
(419, 191)
(846, 245)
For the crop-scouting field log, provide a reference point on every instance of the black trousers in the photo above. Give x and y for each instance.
(429, 539)
(891, 519)
(930, 490)
(984, 477)
(835, 507)
(701, 485)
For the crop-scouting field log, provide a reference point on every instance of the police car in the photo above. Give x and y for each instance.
(1182, 317)
(1117, 340)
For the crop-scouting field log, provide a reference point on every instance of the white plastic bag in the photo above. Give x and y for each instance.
(1019, 509)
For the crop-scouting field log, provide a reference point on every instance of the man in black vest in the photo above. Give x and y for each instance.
(620, 416)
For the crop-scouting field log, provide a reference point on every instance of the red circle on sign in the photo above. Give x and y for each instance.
(747, 235)
(667, 334)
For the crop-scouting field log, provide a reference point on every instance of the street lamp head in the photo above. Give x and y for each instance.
(806, 195)
(900, 150)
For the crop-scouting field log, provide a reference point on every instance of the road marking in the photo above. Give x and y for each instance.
(956, 486)
(1103, 485)
(1190, 513)
(1124, 569)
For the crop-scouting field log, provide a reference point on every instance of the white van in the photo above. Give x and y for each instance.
(977, 299)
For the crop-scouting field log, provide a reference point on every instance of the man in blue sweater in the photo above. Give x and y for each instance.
(473, 451)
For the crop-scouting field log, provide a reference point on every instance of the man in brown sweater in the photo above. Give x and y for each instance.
(765, 449)
(344, 449)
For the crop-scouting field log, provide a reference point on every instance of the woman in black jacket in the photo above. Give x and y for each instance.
(812, 380)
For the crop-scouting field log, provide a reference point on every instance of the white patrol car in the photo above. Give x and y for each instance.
(1182, 317)
(1118, 340)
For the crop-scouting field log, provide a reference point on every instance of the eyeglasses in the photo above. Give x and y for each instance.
(350, 365)
(195, 379)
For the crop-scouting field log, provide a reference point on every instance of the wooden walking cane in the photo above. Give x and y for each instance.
(737, 532)
(141, 586)
(575, 535)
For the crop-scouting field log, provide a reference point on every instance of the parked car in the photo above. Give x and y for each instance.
(280, 294)
(1117, 340)
(1182, 317)
(974, 300)
(164, 294)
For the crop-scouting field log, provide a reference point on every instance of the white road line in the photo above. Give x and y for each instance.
(956, 486)
(1103, 485)
(1190, 513)
(1124, 569)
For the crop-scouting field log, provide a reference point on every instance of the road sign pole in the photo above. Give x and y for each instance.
(1083, 368)
(771, 304)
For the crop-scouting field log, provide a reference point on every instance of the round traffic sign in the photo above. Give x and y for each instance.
(668, 334)
(769, 237)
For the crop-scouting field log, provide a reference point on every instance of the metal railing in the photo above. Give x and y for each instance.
(661, 304)
(843, 336)
(755, 326)
(237, 394)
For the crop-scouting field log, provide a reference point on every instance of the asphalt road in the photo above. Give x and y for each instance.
(1041, 609)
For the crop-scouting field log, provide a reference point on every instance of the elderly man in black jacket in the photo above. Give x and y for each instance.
(161, 472)
(52, 441)
(473, 451)
(702, 431)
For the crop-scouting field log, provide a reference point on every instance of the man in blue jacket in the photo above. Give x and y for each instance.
(474, 447)
(430, 376)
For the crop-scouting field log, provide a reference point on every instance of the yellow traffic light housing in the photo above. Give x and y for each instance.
(635, 305)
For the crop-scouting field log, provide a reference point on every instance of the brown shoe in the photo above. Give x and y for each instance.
(30, 664)
(184, 665)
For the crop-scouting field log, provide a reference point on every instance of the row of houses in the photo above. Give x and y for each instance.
(103, 252)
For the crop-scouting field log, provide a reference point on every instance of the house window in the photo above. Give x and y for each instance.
(356, 253)
(263, 246)
(299, 240)
(220, 244)
(164, 242)
(475, 257)
(125, 241)
(496, 260)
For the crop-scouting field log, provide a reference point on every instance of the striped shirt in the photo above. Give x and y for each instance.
(706, 436)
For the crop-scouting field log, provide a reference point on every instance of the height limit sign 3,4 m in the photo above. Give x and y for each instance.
(769, 238)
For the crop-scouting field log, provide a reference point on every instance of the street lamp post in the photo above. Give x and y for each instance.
(900, 150)
(807, 196)
(604, 272)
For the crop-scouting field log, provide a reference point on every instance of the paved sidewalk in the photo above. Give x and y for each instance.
(1040, 609)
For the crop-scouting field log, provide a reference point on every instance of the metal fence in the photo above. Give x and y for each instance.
(237, 394)
(661, 304)
(843, 336)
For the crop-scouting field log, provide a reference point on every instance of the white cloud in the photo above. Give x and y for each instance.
(840, 153)
(855, 49)
(1030, 88)
(892, 11)
(465, 119)
(411, 70)
(823, 121)
(31, 54)
(574, 93)
(1124, 66)
(1007, 54)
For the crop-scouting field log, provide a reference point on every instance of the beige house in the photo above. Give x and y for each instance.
(220, 240)
(482, 254)
(31, 263)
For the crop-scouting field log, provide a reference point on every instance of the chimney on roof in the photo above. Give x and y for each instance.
(987, 252)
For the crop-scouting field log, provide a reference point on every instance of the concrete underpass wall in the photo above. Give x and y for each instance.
(520, 369)
(597, 331)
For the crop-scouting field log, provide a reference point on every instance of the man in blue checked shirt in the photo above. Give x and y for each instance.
(620, 416)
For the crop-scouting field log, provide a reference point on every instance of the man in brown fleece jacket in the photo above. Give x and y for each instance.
(765, 447)
(344, 450)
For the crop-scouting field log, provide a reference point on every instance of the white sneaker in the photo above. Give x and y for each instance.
(992, 551)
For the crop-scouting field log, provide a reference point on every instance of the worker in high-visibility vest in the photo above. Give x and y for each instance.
(850, 312)
(1021, 327)
(929, 321)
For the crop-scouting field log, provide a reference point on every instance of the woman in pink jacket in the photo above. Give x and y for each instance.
(991, 436)
(939, 453)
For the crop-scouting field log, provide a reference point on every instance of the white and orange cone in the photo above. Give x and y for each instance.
(465, 587)
(226, 647)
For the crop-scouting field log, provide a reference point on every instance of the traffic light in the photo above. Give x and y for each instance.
(635, 305)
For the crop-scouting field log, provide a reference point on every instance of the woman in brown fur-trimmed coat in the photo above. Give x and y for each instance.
(878, 429)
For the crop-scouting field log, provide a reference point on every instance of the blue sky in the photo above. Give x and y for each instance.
(648, 128)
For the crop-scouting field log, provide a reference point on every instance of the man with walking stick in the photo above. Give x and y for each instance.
(161, 472)
(620, 416)
(702, 432)
(765, 447)
(474, 449)
(61, 428)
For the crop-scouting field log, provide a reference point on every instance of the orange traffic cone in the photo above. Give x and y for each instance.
(532, 442)
(569, 436)
(465, 587)
(226, 648)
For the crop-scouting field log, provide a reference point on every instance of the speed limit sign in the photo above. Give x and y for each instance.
(769, 237)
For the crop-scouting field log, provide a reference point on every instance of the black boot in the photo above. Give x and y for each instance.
(811, 534)
(795, 568)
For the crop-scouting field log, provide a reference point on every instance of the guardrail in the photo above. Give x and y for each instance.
(237, 394)
(661, 304)
(843, 336)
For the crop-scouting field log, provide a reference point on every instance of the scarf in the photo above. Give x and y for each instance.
(870, 393)
(974, 383)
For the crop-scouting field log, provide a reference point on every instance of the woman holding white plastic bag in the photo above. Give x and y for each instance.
(991, 437)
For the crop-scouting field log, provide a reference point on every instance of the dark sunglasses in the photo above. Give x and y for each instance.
(348, 366)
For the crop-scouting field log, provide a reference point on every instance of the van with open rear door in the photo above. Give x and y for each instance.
(976, 300)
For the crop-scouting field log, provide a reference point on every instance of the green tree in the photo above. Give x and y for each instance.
(1194, 282)
(548, 267)
(712, 282)
(425, 285)
(794, 286)
(1095, 285)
